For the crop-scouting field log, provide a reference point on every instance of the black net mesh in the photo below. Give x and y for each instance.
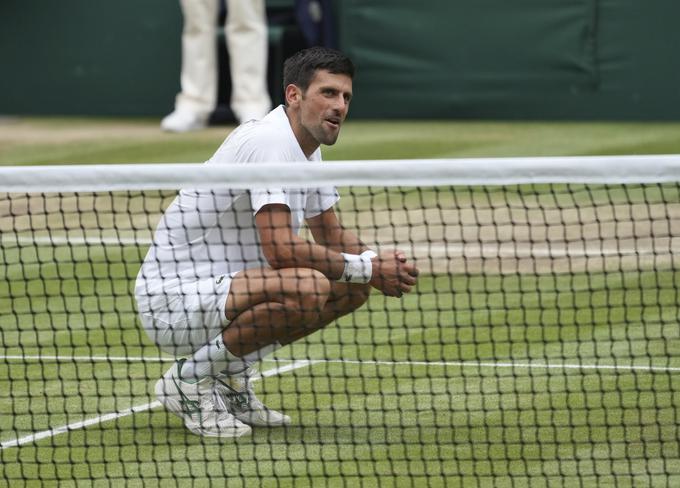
(540, 348)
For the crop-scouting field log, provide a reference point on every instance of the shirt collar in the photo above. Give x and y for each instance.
(280, 118)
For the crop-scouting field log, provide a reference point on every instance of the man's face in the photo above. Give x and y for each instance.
(322, 108)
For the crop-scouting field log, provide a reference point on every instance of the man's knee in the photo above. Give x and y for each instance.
(313, 290)
(301, 290)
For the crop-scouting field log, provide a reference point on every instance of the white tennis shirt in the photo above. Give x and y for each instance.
(209, 233)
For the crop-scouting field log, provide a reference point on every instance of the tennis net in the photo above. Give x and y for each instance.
(540, 347)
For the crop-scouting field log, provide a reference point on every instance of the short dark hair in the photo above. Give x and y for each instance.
(300, 68)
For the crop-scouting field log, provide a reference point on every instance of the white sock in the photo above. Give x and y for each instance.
(260, 354)
(242, 364)
(208, 361)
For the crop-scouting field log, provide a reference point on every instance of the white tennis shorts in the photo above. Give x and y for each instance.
(185, 317)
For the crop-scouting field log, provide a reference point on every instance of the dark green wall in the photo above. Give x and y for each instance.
(506, 59)
(515, 59)
(90, 57)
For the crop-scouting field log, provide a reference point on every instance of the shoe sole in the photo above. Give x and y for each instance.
(225, 434)
(262, 423)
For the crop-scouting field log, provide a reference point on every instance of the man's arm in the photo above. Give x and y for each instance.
(328, 231)
(283, 249)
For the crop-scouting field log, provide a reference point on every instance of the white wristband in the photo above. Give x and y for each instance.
(369, 253)
(358, 267)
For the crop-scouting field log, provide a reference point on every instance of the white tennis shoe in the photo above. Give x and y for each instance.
(184, 121)
(238, 396)
(198, 404)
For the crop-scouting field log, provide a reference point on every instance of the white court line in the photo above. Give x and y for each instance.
(300, 364)
(124, 413)
(104, 359)
(481, 364)
(310, 362)
(77, 425)
(434, 250)
(87, 359)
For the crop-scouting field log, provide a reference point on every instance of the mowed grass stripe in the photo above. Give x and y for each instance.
(51, 432)
(379, 422)
(86, 305)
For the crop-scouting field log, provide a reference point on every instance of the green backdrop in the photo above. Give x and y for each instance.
(515, 59)
(502, 59)
(90, 57)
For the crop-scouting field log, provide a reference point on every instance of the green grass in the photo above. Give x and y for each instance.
(400, 396)
(445, 388)
(86, 141)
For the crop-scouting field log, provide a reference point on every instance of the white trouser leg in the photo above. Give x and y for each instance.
(246, 33)
(199, 57)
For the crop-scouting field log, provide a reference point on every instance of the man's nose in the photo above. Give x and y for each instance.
(341, 104)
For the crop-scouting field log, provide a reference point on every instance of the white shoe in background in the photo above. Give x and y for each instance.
(184, 121)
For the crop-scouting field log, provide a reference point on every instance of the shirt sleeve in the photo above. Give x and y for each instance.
(260, 197)
(320, 199)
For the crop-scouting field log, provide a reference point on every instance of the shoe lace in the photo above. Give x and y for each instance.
(231, 399)
(218, 400)
(253, 401)
(203, 405)
(236, 399)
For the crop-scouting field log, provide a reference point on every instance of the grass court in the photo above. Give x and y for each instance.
(556, 378)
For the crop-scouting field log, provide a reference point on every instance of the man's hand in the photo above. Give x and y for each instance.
(392, 274)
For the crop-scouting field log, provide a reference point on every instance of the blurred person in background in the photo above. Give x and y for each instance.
(246, 36)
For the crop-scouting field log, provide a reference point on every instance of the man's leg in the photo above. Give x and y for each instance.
(198, 79)
(344, 299)
(267, 306)
(180, 322)
(246, 33)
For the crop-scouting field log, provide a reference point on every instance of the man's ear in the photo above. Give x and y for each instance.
(293, 94)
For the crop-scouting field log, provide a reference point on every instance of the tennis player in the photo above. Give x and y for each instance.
(228, 280)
